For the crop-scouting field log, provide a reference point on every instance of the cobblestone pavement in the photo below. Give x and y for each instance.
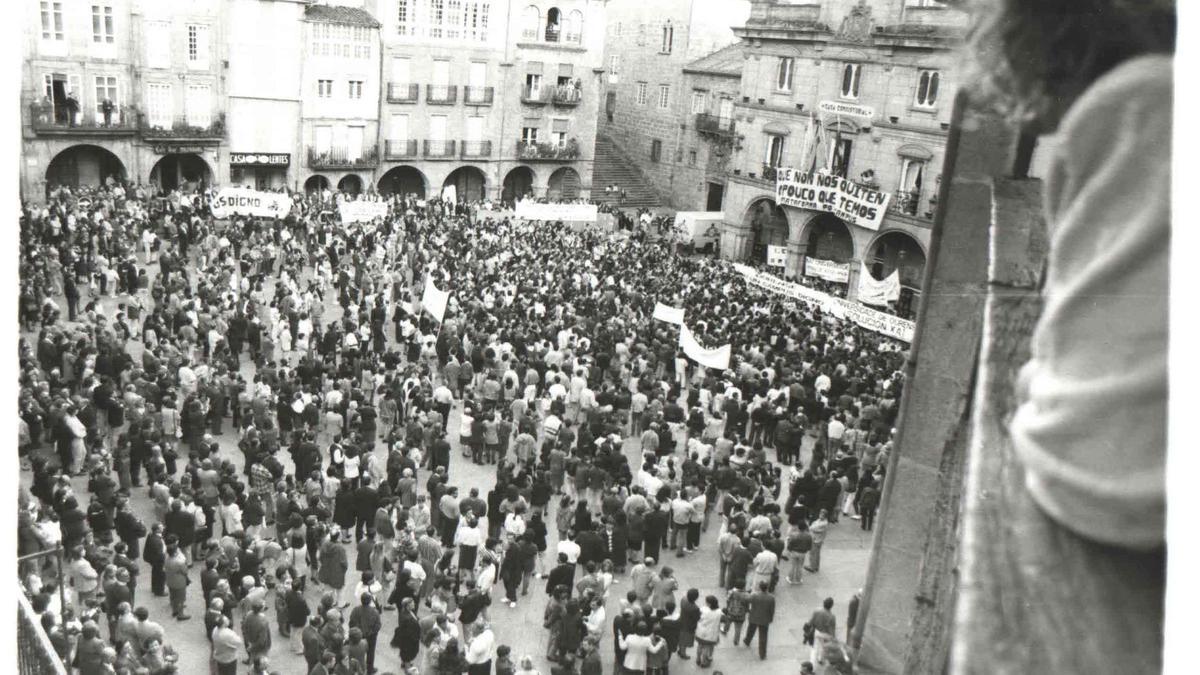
(843, 570)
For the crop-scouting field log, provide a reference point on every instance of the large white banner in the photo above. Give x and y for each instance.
(244, 201)
(777, 256)
(358, 212)
(827, 270)
(434, 300)
(710, 358)
(843, 198)
(872, 291)
(531, 210)
(668, 313)
(871, 319)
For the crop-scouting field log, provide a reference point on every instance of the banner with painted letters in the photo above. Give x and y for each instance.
(871, 319)
(843, 198)
(777, 256)
(247, 202)
(668, 313)
(531, 210)
(827, 270)
(362, 211)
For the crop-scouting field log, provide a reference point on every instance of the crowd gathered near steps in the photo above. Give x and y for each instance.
(149, 328)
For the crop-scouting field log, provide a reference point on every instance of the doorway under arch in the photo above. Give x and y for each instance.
(84, 166)
(350, 183)
(564, 184)
(898, 250)
(469, 184)
(828, 238)
(181, 171)
(403, 181)
(316, 183)
(517, 184)
(768, 227)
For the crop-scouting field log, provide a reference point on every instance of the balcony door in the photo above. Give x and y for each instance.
(477, 79)
(323, 139)
(354, 143)
(398, 133)
(437, 134)
(725, 112)
(474, 133)
(441, 79)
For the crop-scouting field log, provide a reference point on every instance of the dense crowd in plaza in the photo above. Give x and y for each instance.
(151, 328)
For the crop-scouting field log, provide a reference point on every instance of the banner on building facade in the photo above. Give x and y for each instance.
(776, 256)
(871, 319)
(362, 211)
(709, 358)
(843, 198)
(244, 201)
(827, 270)
(668, 313)
(531, 210)
(872, 291)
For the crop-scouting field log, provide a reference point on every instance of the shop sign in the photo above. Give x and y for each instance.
(177, 148)
(259, 159)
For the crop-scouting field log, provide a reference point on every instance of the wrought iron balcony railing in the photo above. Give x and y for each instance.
(439, 149)
(441, 94)
(548, 151)
(535, 95)
(707, 123)
(342, 158)
(476, 149)
(46, 118)
(399, 149)
(478, 95)
(403, 93)
(182, 128)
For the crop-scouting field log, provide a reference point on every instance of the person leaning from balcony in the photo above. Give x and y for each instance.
(1091, 424)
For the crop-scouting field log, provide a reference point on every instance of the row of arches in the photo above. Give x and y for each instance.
(827, 237)
(82, 165)
(92, 165)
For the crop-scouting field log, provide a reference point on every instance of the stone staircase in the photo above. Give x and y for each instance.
(613, 167)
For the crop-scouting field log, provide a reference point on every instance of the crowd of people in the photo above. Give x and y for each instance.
(352, 409)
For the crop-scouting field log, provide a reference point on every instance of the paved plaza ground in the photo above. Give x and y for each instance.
(843, 570)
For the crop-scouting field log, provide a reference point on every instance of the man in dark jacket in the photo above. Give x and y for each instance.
(155, 554)
(366, 501)
(311, 641)
(759, 618)
(407, 637)
(256, 631)
(562, 575)
(366, 618)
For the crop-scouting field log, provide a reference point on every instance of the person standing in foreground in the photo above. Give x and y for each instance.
(760, 616)
(824, 625)
(176, 571)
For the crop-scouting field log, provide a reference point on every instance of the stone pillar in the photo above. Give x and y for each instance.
(795, 258)
(735, 241)
(852, 279)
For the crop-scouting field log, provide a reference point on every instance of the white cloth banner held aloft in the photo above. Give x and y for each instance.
(247, 202)
(668, 313)
(531, 210)
(709, 358)
(872, 291)
(827, 270)
(434, 301)
(357, 212)
(777, 256)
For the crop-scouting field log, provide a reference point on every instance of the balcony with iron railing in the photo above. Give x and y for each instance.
(342, 158)
(400, 149)
(183, 128)
(552, 152)
(707, 123)
(48, 120)
(478, 95)
(476, 149)
(441, 94)
(535, 95)
(909, 203)
(437, 149)
(567, 95)
(403, 93)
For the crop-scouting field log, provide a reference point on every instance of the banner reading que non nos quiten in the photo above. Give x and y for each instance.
(833, 194)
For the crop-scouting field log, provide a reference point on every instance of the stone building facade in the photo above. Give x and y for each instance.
(647, 95)
(878, 79)
(121, 90)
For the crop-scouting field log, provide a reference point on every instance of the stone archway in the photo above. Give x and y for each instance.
(768, 226)
(316, 183)
(403, 181)
(563, 184)
(469, 183)
(84, 166)
(518, 183)
(351, 183)
(181, 171)
(827, 237)
(897, 250)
